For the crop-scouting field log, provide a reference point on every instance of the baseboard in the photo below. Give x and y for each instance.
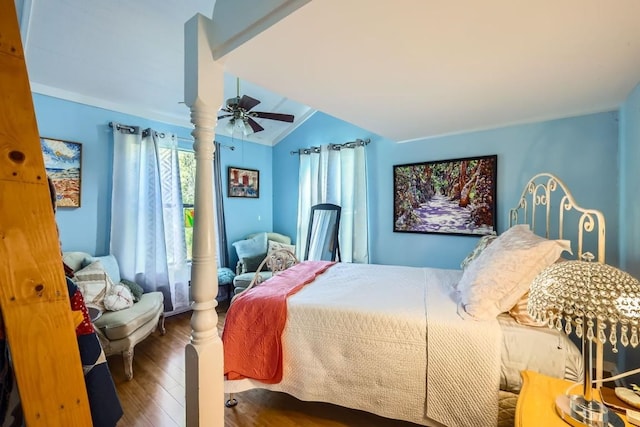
(176, 312)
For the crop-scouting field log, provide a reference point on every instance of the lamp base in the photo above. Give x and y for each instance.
(578, 412)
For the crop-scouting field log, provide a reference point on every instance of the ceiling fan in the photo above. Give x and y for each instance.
(239, 110)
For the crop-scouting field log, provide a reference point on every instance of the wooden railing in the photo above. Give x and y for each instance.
(33, 292)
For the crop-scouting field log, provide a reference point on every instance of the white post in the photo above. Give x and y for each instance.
(203, 355)
(204, 93)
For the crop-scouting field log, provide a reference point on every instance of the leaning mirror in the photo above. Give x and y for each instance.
(322, 237)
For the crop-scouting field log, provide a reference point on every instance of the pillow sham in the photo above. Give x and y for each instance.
(475, 253)
(93, 283)
(502, 273)
(520, 313)
(251, 247)
(274, 246)
(118, 297)
(136, 290)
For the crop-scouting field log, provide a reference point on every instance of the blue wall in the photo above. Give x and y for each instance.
(630, 206)
(629, 178)
(87, 228)
(244, 216)
(594, 155)
(582, 151)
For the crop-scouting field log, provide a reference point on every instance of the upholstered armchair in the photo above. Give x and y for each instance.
(252, 251)
(118, 330)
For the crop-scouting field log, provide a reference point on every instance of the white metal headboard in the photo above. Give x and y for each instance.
(545, 197)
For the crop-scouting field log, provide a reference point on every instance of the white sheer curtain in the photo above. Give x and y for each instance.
(147, 231)
(336, 174)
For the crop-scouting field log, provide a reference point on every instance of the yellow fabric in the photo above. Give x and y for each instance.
(536, 404)
(77, 317)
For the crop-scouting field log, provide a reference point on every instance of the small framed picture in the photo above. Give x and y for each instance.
(244, 183)
(63, 162)
(456, 196)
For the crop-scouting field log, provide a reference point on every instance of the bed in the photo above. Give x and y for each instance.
(419, 344)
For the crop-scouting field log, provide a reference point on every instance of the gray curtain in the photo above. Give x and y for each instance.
(223, 254)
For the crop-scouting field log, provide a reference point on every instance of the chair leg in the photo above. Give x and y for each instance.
(127, 358)
(161, 324)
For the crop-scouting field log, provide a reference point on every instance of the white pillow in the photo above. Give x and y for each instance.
(118, 297)
(274, 246)
(251, 247)
(94, 283)
(493, 283)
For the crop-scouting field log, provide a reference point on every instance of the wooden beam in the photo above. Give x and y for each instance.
(33, 291)
(237, 21)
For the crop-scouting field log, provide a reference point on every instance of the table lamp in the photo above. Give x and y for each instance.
(594, 301)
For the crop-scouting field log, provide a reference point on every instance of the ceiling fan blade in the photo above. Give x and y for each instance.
(254, 125)
(247, 102)
(273, 116)
(225, 116)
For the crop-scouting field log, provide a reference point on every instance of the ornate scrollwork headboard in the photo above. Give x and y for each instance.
(547, 205)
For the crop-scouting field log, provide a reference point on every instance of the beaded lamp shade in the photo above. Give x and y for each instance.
(580, 292)
(594, 301)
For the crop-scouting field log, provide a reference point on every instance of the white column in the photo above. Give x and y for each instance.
(204, 93)
(203, 355)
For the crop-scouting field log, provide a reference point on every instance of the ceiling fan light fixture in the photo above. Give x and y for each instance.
(232, 102)
(239, 125)
(243, 119)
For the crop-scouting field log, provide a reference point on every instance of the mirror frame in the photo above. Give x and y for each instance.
(335, 251)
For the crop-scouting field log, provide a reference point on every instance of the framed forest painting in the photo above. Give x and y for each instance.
(63, 162)
(456, 196)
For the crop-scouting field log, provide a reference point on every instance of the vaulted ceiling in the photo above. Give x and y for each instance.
(405, 69)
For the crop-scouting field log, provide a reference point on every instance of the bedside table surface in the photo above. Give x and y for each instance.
(536, 403)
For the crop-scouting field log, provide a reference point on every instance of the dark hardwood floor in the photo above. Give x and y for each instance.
(155, 396)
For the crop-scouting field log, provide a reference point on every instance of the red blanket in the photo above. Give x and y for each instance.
(252, 335)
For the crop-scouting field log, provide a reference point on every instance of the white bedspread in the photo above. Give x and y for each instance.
(357, 337)
(464, 360)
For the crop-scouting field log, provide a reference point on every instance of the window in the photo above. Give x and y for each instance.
(187, 165)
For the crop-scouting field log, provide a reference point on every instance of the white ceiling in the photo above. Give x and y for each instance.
(404, 69)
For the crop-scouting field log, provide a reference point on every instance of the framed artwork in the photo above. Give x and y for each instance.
(456, 196)
(243, 183)
(63, 162)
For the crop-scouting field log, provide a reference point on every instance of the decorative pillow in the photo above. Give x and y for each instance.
(252, 263)
(274, 246)
(251, 247)
(502, 273)
(118, 297)
(75, 260)
(109, 263)
(136, 290)
(276, 237)
(225, 276)
(520, 313)
(475, 253)
(94, 283)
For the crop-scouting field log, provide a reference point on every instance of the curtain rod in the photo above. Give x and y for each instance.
(134, 129)
(230, 147)
(351, 144)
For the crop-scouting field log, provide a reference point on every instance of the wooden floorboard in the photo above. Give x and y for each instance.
(155, 396)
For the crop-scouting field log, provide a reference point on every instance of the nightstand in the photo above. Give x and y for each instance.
(536, 403)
